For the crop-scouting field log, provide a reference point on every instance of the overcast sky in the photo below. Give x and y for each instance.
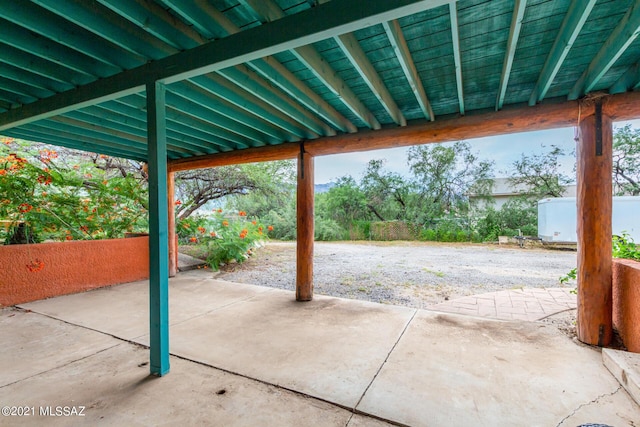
(504, 150)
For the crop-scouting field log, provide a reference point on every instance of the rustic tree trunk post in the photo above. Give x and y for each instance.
(594, 203)
(305, 230)
(173, 238)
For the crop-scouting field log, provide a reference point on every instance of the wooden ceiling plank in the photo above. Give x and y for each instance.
(352, 49)
(622, 36)
(512, 44)
(572, 24)
(399, 44)
(455, 36)
(509, 120)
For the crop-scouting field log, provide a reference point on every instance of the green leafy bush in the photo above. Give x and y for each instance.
(624, 247)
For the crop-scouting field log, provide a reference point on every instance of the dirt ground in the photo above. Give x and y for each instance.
(413, 274)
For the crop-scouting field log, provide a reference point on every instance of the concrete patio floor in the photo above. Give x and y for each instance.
(245, 355)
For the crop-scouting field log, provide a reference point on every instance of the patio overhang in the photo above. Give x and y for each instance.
(182, 84)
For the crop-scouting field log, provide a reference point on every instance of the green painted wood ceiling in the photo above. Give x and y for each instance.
(72, 72)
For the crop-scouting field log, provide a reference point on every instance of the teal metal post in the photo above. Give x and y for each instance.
(158, 230)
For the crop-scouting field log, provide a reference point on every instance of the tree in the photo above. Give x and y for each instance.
(196, 188)
(626, 161)
(51, 194)
(539, 175)
(345, 202)
(445, 175)
(387, 193)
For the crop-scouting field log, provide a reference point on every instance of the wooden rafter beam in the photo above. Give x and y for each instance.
(512, 119)
(629, 80)
(514, 35)
(269, 11)
(617, 43)
(572, 24)
(399, 44)
(351, 48)
(318, 23)
(457, 60)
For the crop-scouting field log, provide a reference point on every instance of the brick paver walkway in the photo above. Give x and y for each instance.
(519, 304)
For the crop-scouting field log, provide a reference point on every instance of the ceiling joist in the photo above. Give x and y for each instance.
(512, 44)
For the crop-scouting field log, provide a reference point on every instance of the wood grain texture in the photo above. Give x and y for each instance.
(305, 229)
(594, 200)
(624, 106)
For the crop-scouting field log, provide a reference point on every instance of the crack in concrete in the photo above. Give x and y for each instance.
(386, 359)
(582, 405)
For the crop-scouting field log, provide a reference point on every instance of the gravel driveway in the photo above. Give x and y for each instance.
(414, 274)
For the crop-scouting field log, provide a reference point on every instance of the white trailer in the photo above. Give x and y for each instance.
(557, 218)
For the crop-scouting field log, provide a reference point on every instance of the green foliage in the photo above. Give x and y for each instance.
(624, 247)
(68, 195)
(444, 176)
(539, 175)
(227, 236)
(626, 161)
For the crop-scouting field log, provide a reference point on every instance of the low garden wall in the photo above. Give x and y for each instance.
(36, 271)
(626, 302)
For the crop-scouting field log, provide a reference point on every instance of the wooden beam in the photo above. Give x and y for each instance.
(457, 60)
(171, 213)
(629, 80)
(620, 39)
(399, 44)
(304, 227)
(594, 200)
(351, 48)
(514, 35)
(513, 119)
(300, 29)
(575, 18)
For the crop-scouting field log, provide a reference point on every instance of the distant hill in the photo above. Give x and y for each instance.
(323, 188)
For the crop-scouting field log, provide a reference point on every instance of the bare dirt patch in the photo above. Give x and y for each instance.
(413, 274)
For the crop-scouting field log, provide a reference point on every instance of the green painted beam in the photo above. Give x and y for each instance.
(25, 76)
(92, 119)
(572, 24)
(281, 77)
(250, 81)
(319, 23)
(93, 144)
(48, 24)
(455, 36)
(62, 55)
(45, 68)
(158, 231)
(236, 119)
(213, 23)
(358, 58)
(249, 104)
(270, 11)
(629, 80)
(110, 26)
(154, 19)
(185, 122)
(401, 49)
(622, 36)
(512, 44)
(23, 89)
(45, 137)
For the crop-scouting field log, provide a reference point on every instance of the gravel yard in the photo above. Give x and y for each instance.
(413, 274)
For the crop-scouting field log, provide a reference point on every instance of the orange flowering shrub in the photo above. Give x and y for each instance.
(227, 238)
(49, 194)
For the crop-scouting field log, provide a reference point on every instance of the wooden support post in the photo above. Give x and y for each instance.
(594, 200)
(158, 231)
(173, 237)
(305, 230)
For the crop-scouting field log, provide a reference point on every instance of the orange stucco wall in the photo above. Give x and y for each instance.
(69, 267)
(626, 302)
